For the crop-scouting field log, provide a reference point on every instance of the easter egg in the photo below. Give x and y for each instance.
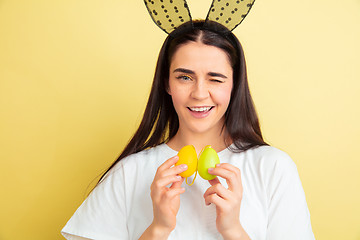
(187, 155)
(208, 159)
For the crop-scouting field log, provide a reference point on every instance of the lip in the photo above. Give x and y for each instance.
(204, 106)
(200, 114)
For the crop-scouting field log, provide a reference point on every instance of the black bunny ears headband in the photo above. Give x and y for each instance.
(170, 14)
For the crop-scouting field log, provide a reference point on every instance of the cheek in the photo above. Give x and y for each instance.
(223, 96)
(175, 99)
(178, 97)
(178, 93)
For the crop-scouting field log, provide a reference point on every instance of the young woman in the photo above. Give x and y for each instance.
(200, 96)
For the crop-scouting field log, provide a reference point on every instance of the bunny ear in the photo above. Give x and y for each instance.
(168, 14)
(229, 13)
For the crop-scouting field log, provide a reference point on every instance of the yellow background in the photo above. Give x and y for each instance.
(74, 79)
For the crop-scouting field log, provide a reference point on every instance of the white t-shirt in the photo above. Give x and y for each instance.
(273, 205)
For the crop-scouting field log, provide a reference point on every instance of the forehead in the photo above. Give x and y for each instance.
(196, 55)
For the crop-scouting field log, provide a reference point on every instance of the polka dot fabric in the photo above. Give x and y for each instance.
(229, 13)
(168, 14)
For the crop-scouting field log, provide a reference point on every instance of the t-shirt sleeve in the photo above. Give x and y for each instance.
(289, 216)
(103, 214)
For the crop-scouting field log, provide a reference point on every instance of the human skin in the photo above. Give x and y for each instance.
(200, 77)
(200, 84)
(226, 200)
(166, 200)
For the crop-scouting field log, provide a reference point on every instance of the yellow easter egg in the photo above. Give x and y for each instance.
(187, 155)
(208, 159)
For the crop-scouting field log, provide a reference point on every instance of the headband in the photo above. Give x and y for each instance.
(170, 14)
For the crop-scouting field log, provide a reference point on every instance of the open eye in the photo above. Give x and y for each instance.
(185, 77)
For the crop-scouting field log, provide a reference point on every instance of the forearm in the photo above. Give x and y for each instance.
(153, 232)
(236, 234)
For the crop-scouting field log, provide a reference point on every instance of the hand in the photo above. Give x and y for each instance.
(226, 200)
(166, 200)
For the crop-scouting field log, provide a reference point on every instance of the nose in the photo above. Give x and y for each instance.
(200, 90)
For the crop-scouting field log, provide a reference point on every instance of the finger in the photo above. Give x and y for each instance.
(163, 182)
(175, 170)
(168, 163)
(214, 181)
(215, 199)
(177, 184)
(219, 190)
(230, 167)
(231, 175)
(171, 193)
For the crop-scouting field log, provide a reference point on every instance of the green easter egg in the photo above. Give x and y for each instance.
(208, 159)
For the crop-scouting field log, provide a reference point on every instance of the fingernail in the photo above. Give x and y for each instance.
(178, 177)
(210, 169)
(176, 157)
(218, 165)
(183, 166)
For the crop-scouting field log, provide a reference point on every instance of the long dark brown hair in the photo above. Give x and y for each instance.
(160, 122)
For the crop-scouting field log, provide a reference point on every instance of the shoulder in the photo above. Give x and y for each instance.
(270, 157)
(267, 152)
(275, 168)
(265, 162)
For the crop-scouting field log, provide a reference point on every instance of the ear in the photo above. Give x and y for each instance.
(167, 88)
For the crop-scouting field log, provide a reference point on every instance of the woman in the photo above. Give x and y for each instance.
(200, 96)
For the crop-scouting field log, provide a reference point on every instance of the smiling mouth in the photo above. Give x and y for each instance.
(200, 109)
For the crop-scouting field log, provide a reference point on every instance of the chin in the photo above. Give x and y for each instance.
(203, 129)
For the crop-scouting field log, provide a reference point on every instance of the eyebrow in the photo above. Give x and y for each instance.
(214, 74)
(188, 71)
(184, 70)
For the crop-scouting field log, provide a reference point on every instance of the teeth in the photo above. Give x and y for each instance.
(200, 109)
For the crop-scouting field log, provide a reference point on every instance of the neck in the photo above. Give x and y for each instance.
(200, 140)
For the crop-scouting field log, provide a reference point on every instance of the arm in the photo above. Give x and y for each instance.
(166, 200)
(289, 217)
(227, 201)
(155, 232)
(102, 215)
(71, 237)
